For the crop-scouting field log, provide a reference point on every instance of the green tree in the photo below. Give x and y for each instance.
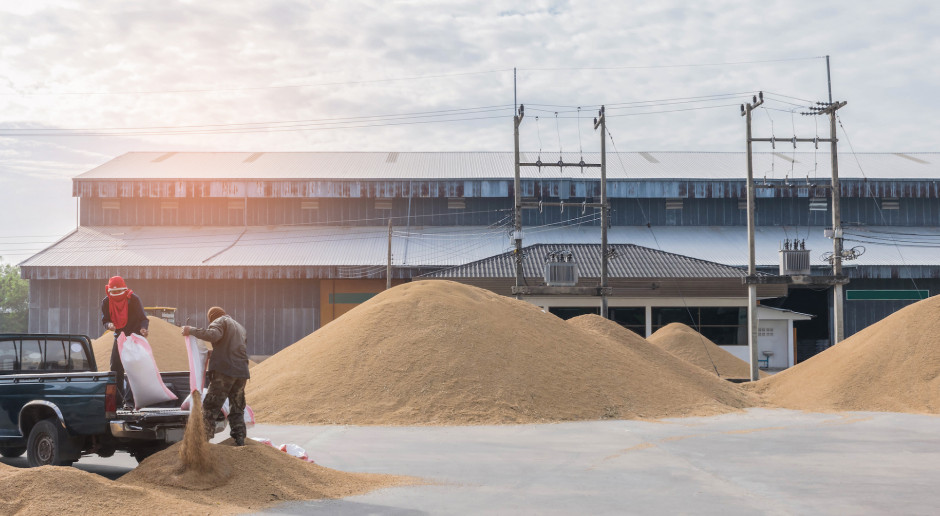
(14, 300)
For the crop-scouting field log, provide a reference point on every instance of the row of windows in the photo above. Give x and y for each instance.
(486, 211)
(725, 325)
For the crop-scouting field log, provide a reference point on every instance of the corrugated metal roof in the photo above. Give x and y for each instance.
(281, 246)
(499, 165)
(627, 261)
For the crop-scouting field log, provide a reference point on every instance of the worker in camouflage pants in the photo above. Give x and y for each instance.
(228, 371)
(222, 386)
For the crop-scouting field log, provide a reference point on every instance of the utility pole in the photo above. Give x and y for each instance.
(829, 79)
(838, 310)
(601, 122)
(388, 269)
(517, 208)
(751, 255)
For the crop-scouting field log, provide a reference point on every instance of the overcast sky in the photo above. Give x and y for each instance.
(82, 82)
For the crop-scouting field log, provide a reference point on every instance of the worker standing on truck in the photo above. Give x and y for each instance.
(122, 312)
(228, 371)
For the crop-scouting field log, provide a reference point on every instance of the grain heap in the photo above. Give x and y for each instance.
(893, 365)
(169, 348)
(260, 476)
(439, 352)
(66, 490)
(655, 365)
(693, 347)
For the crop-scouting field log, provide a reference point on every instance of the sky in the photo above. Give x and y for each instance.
(82, 82)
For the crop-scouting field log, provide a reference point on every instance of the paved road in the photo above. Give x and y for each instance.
(758, 462)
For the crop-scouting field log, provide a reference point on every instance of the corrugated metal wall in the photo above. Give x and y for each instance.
(276, 313)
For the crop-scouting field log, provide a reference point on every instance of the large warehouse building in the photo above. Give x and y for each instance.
(287, 242)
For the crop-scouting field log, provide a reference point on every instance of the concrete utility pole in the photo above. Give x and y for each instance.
(601, 122)
(838, 310)
(751, 253)
(517, 207)
(388, 269)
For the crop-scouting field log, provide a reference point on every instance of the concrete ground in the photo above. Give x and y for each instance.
(760, 461)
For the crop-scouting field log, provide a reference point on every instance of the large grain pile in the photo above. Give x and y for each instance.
(439, 352)
(893, 365)
(169, 348)
(695, 348)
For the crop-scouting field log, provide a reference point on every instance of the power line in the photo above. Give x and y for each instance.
(692, 65)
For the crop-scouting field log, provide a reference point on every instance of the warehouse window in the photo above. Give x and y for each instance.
(632, 318)
(456, 203)
(383, 204)
(570, 312)
(890, 203)
(818, 204)
(674, 204)
(726, 325)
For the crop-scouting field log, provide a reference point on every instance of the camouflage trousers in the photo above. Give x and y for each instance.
(222, 386)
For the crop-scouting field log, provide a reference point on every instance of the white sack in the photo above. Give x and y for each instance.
(142, 372)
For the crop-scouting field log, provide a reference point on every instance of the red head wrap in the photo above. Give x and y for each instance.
(118, 294)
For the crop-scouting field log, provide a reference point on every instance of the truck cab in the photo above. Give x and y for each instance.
(55, 405)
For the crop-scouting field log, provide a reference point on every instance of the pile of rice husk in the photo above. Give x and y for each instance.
(258, 476)
(891, 366)
(695, 348)
(166, 341)
(655, 366)
(440, 352)
(66, 490)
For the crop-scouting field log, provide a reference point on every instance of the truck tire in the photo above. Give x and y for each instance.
(45, 443)
(13, 452)
(142, 452)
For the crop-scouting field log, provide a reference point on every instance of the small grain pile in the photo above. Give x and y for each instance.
(440, 352)
(166, 340)
(260, 476)
(892, 366)
(65, 490)
(695, 348)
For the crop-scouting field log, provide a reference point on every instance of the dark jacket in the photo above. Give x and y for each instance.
(229, 346)
(136, 317)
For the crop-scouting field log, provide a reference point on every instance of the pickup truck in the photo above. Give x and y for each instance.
(55, 406)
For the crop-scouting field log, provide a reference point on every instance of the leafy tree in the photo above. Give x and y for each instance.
(14, 300)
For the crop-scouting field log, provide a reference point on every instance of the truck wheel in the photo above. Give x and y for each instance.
(143, 452)
(44, 446)
(10, 453)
